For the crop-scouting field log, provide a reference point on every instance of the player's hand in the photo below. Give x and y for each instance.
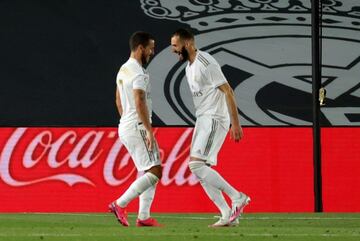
(150, 140)
(236, 133)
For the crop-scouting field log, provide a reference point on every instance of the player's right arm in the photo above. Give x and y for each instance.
(118, 101)
(236, 130)
(218, 79)
(142, 111)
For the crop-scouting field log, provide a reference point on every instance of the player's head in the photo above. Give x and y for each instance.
(144, 44)
(181, 40)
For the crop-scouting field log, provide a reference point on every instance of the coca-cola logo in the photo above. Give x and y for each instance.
(63, 152)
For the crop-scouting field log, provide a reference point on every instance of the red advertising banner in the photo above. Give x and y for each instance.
(341, 169)
(84, 169)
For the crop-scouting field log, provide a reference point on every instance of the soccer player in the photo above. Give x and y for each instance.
(135, 131)
(215, 107)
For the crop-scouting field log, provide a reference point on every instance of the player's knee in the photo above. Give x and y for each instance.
(157, 171)
(198, 168)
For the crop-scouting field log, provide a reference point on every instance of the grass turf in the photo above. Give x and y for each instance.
(101, 226)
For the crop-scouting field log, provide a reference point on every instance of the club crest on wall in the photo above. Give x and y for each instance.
(264, 48)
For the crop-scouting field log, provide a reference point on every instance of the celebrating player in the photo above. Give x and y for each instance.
(135, 131)
(215, 107)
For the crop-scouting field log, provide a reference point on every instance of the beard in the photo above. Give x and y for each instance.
(144, 59)
(185, 54)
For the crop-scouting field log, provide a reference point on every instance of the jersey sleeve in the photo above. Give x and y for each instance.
(216, 75)
(139, 82)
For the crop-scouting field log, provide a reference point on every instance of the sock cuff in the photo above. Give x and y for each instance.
(153, 179)
(196, 164)
(200, 169)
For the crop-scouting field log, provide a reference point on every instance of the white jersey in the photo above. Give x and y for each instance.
(204, 75)
(132, 76)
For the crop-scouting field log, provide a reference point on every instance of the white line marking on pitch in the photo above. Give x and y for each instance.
(203, 218)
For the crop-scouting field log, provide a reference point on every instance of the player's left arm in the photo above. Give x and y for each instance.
(118, 101)
(236, 132)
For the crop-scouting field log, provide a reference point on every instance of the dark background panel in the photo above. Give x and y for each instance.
(60, 59)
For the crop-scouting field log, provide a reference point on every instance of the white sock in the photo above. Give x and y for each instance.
(145, 201)
(217, 197)
(213, 178)
(136, 188)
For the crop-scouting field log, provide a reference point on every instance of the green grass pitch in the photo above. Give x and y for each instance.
(253, 226)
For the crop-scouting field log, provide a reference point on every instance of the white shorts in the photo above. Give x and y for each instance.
(208, 137)
(135, 142)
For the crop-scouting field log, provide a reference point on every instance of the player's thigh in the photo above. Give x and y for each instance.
(217, 142)
(135, 143)
(208, 137)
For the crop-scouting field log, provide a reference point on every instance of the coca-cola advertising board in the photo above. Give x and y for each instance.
(83, 169)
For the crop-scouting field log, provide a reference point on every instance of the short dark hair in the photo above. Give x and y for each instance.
(139, 38)
(184, 34)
